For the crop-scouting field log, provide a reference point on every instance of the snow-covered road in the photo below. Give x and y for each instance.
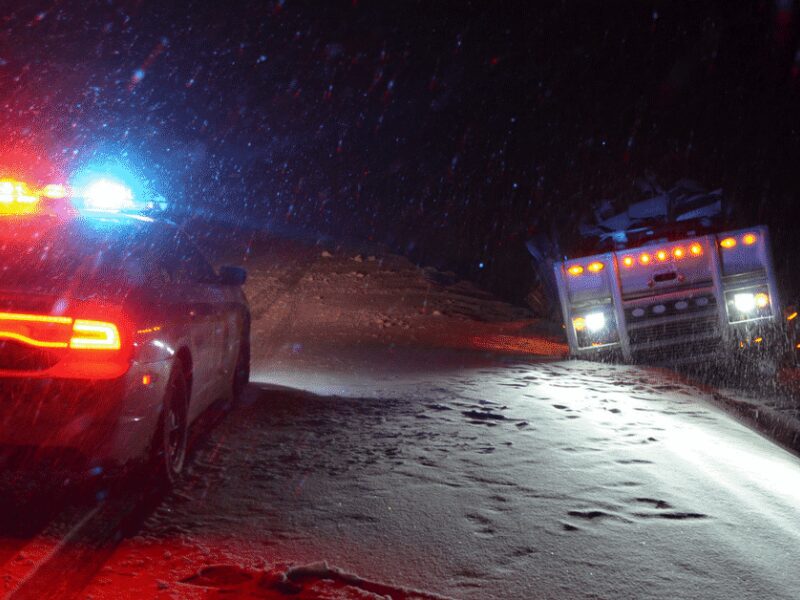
(512, 480)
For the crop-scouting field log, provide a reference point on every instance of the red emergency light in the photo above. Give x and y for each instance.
(20, 198)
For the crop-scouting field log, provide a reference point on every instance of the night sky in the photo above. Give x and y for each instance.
(446, 129)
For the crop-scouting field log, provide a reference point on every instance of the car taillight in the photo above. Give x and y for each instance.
(41, 331)
(85, 348)
(94, 335)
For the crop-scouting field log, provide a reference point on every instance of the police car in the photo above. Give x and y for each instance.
(115, 331)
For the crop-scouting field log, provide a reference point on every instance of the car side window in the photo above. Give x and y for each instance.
(182, 262)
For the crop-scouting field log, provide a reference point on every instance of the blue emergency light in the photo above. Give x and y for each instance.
(107, 195)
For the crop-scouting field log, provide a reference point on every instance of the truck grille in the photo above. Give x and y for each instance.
(674, 330)
(675, 354)
(682, 330)
(702, 303)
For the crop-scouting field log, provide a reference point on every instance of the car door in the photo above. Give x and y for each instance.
(195, 300)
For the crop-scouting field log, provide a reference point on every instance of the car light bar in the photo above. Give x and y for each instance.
(102, 194)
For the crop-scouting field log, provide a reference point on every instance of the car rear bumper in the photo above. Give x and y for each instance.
(79, 424)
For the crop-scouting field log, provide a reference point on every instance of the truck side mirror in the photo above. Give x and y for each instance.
(229, 275)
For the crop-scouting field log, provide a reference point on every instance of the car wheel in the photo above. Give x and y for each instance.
(171, 439)
(241, 374)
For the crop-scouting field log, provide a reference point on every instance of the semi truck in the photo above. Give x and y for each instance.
(674, 299)
(663, 280)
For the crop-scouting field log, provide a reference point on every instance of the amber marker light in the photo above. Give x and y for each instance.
(728, 242)
(644, 259)
(628, 261)
(696, 249)
(762, 300)
(596, 267)
(575, 270)
(661, 255)
(749, 239)
(579, 323)
(678, 252)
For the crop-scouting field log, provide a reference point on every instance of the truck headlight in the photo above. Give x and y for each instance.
(595, 322)
(745, 303)
(596, 328)
(748, 305)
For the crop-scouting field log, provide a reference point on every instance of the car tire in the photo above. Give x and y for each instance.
(171, 439)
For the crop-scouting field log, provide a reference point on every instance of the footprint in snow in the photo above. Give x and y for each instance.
(219, 576)
(672, 515)
(654, 503)
(484, 525)
(596, 515)
(477, 415)
(662, 510)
